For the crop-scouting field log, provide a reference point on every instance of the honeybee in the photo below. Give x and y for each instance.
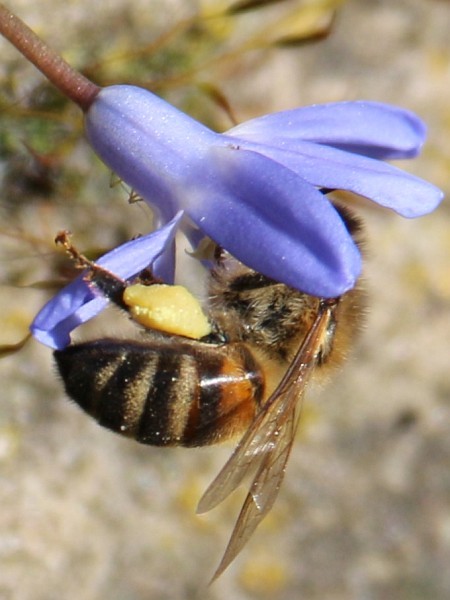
(246, 377)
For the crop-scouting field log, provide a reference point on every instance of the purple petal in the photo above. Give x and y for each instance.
(148, 143)
(131, 258)
(164, 265)
(370, 128)
(77, 303)
(275, 222)
(63, 313)
(328, 167)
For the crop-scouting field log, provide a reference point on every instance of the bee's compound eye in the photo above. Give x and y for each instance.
(169, 308)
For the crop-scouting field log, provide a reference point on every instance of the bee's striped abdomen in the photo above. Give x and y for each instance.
(164, 393)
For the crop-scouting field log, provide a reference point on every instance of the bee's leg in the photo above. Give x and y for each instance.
(109, 284)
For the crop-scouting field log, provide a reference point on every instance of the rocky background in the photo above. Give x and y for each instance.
(364, 513)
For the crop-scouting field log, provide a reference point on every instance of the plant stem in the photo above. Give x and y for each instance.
(70, 82)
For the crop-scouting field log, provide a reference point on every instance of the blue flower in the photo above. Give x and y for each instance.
(255, 190)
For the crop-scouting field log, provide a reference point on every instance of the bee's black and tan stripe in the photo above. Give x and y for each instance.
(155, 421)
(106, 380)
(162, 393)
(230, 391)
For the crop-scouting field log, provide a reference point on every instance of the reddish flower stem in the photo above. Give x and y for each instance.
(70, 82)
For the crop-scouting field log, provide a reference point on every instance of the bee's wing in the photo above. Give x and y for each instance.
(266, 445)
(260, 439)
(266, 483)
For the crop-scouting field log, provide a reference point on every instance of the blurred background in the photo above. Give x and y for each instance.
(364, 513)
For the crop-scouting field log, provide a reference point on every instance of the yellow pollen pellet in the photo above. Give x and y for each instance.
(169, 308)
